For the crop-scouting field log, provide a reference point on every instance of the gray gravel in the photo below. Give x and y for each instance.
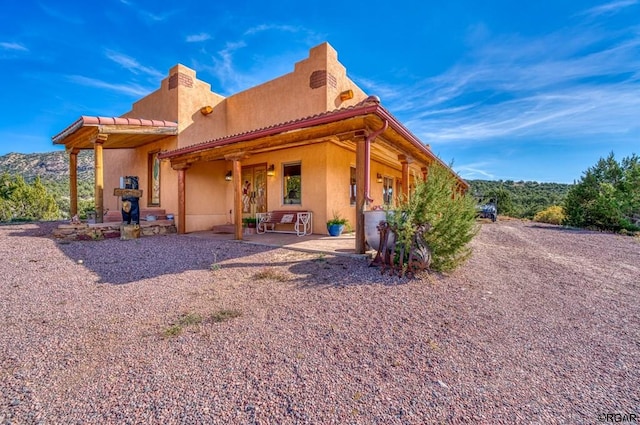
(540, 326)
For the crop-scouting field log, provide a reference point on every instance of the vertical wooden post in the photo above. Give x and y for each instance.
(237, 198)
(182, 200)
(73, 182)
(405, 161)
(362, 167)
(99, 177)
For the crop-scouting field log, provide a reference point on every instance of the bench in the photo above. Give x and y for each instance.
(302, 222)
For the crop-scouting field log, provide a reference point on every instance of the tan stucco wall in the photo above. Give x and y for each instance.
(134, 162)
(290, 97)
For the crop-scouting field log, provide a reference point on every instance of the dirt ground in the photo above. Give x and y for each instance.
(541, 325)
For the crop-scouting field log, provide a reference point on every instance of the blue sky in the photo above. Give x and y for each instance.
(502, 89)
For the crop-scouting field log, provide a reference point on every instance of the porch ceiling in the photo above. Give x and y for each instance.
(121, 133)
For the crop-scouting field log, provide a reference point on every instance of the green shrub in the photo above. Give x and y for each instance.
(607, 197)
(552, 215)
(451, 214)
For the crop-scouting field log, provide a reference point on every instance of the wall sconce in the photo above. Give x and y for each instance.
(206, 110)
(379, 178)
(346, 95)
(271, 171)
(228, 176)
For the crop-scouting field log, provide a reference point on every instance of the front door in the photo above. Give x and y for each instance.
(254, 190)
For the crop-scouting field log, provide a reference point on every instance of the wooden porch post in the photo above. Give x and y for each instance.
(361, 176)
(182, 200)
(99, 177)
(73, 182)
(237, 198)
(405, 161)
(425, 173)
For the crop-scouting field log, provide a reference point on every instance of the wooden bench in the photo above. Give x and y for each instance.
(274, 221)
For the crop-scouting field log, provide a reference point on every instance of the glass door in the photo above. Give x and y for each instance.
(254, 190)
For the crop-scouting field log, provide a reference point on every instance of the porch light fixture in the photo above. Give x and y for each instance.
(228, 176)
(379, 178)
(271, 171)
(206, 110)
(346, 95)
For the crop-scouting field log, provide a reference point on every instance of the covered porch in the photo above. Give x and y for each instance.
(366, 131)
(99, 133)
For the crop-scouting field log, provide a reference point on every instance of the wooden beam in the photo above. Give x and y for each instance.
(237, 198)
(99, 177)
(361, 158)
(182, 201)
(73, 182)
(124, 129)
(405, 161)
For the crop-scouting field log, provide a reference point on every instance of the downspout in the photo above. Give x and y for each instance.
(367, 162)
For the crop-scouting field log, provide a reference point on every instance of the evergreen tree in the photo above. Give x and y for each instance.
(607, 197)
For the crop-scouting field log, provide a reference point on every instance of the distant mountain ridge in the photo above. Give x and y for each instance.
(49, 166)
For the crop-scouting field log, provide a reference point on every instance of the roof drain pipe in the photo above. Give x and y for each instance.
(367, 162)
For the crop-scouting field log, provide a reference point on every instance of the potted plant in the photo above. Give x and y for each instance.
(335, 226)
(249, 224)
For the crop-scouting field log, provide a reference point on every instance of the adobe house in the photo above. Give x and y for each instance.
(310, 140)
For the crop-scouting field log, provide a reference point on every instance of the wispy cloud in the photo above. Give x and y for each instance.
(61, 16)
(147, 16)
(476, 170)
(16, 47)
(197, 38)
(128, 89)
(570, 84)
(609, 8)
(132, 64)
(269, 27)
(224, 67)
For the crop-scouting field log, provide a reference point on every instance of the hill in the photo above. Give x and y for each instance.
(522, 198)
(49, 166)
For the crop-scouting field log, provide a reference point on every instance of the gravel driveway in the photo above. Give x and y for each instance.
(542, 325)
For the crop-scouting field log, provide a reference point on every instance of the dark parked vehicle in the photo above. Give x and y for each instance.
(488, 210)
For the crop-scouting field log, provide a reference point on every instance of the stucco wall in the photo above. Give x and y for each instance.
(292, 96)
(134, 162)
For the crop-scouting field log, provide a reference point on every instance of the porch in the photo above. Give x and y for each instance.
(344, 244)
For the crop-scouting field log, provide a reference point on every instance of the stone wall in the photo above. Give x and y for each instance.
(99, 231)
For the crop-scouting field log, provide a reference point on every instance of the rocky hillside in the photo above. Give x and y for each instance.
(50, 166)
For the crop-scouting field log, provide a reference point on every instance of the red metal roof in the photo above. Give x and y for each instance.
(92, 121)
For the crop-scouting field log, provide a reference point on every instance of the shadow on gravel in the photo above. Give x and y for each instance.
(571, 230)
(123, 262)
(33, 229)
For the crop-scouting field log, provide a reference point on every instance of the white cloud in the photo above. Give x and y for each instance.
(609, 8)
(196, 38)
(132, 64)
(61, 16)
(13, 46)
(544, 88)
(268, 27)
(130, 89)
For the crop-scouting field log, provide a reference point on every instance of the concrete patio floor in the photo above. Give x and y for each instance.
(335, 245)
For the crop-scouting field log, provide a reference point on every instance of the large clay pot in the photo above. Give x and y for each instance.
(371, 233)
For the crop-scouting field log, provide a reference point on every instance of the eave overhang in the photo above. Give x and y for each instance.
(122, 133)
(368, 115)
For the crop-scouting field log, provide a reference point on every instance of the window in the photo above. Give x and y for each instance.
(387, 190)
(292, 183)
(352, 186)
(154, 179)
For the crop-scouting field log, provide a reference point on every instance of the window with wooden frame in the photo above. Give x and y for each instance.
(352, 185)
(292, 183)
(387, 190)
(153, 197)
